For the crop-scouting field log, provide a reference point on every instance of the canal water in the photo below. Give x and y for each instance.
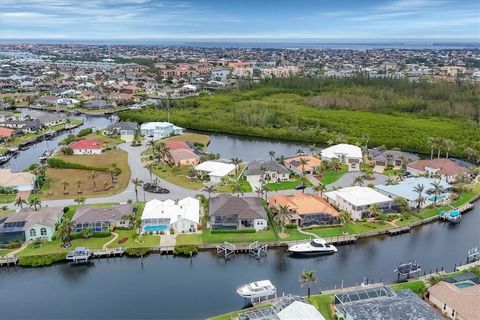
(164, 287)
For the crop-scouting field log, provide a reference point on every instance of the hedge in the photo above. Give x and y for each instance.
(99, 234)
(84, 132)
(137, 252)
(221, 231)
(291, 226)
(58, 163)
(41, 260)
(185, 250)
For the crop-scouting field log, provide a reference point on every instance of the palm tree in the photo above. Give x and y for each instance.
(209, 190)
(259, 191)
(437, 189)
(63, 231)
(374, 210)
(149, 167)
(366, 139)
(65, 185)
(113, 170)
(237, 188)
(49, 181)
(93, 176)
(344, 217)
(79, 185)
(283, 216)
(271, 153)
(419, 188)
(19, 202)
(449, 144)
(236, 162)
(439, 144)
(34, 202)
(390, 181)
(137, 182)
(470, 153)
(358, 181)
(320, 187)
(303, 162)
(80, 200)
(308, 278)
(432, 142)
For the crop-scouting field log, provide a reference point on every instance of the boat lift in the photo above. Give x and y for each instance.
(406, 270)
(226, 251)
(257, 250)
(473, 255)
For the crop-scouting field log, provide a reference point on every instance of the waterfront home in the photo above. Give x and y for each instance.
(271, 171)
(382, 302)
(7, 116)
(406, 189)
(445, 169)
(181, 216)
(357, 200)
(216, 170)
(175, 145)
(288, 307)
(26, 126)
(102, 219)
(229, 212)
(67, 102)
(51, 119)
(347, 153)
(46, 100)
(160, 130)
(294, 164)
(28, 225)
(307, 209)
(86, 146)
(457, 297)
(184, 157)
(96, 104)
(125, 129)
(20, 181)
(392, 159)
(6, 132)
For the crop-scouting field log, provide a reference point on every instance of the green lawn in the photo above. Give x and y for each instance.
(328, 232)
(4, 252)
(7, 198)
(361, 227)
(141, 241)
(285, 185)
(464, 198)
(323, 303)
(411, 218)
(178, 176)
(330, 176)
(228, 187)
(55, 246)
(209, 238)
(189, 239)
(416, 286)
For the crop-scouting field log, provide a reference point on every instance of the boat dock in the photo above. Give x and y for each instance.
(105, 253)
(7, 261)
(399, 230)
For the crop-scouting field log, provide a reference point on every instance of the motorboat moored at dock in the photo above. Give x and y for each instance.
(79, 254)
(257, 290)
(315, 246)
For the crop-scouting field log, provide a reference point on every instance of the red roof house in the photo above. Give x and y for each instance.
(86, 146)
(446, 168)
(176, 145)
(6, 132)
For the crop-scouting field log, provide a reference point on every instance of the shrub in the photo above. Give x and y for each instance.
(41, 260)
(291, 226)
(84, 132)
(67, 151)
(137, 252)
(123, 240)
(13, 245)
(185, 250)
(62, 164)
(222, 231)
(99, 234)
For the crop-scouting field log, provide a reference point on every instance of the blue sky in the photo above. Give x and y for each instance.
(240, 19)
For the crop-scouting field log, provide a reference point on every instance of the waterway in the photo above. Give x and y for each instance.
(164, 287)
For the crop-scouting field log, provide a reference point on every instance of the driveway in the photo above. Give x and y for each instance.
(347, 179)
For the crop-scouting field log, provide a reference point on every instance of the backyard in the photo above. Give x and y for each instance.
(177, 175)
(331, 175)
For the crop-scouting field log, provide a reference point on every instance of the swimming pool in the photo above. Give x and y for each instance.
(160, 227)
(465, 284)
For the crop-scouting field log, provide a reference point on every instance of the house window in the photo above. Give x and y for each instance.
(33, 233)
(43, 232)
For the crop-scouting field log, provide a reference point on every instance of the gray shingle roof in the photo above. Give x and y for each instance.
(246, 207)
(254, 167)
(93, 214)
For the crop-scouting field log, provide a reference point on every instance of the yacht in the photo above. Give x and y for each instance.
(257, 289)
(79, 254)
(315, 246)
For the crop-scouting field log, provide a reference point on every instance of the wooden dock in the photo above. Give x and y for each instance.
(105, 253)
(7, 261)
(399, 230)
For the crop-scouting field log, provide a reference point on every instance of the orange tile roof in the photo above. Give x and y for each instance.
(312, 162)
(465, 301)
(6, 132)
(303, 203)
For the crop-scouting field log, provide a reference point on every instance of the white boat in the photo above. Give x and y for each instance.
(315, 246)
(257, 289)
(79, 254)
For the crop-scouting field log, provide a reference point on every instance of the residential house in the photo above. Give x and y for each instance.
(46, 100)
(28, 225)
(406, 189)
(67, 102)
(160, 130)
(347, 153)
(391, 158)
(20, 181)
(357, 200)
(125, 129)
(216, 170)
(457, 297)
(184, 157)
(86, 146)
(269, 171)
(51, 119)
(6, 133)
(445, 169)
(294, 164)
(159, 216)
(102, 219)
(175, 145)
(7, 116)
(307, 209)
(96, 104)
(229, 212)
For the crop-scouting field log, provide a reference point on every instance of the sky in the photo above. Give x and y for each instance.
(240, 19)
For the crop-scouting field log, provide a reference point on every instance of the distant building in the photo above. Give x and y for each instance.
(160, 130)
(347, 153)
(86, 146)
(96, 104)
(184, 157)
(216, 170)
(51, 119)
(445, 169)
(381, 303)
(20, 181)
(394, 158)
(125, 129)
(271, 171)
(229, 212)
(183, 216)
(101, 219)
(357, 200)
(294, 164)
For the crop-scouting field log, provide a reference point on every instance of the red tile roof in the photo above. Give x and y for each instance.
(446, 167)
(175, 145)
(6, 132)
(83, 144)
